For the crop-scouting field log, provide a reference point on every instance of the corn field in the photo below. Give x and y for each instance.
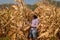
(14, 21)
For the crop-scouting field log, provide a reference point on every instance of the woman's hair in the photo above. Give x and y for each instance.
(34, 16)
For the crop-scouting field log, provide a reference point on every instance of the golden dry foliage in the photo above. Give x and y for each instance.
(14, 21)
(48, 20)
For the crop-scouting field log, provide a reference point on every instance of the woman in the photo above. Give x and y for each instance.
(33, 29)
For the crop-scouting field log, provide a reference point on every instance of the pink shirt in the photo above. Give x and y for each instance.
(35, 22)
